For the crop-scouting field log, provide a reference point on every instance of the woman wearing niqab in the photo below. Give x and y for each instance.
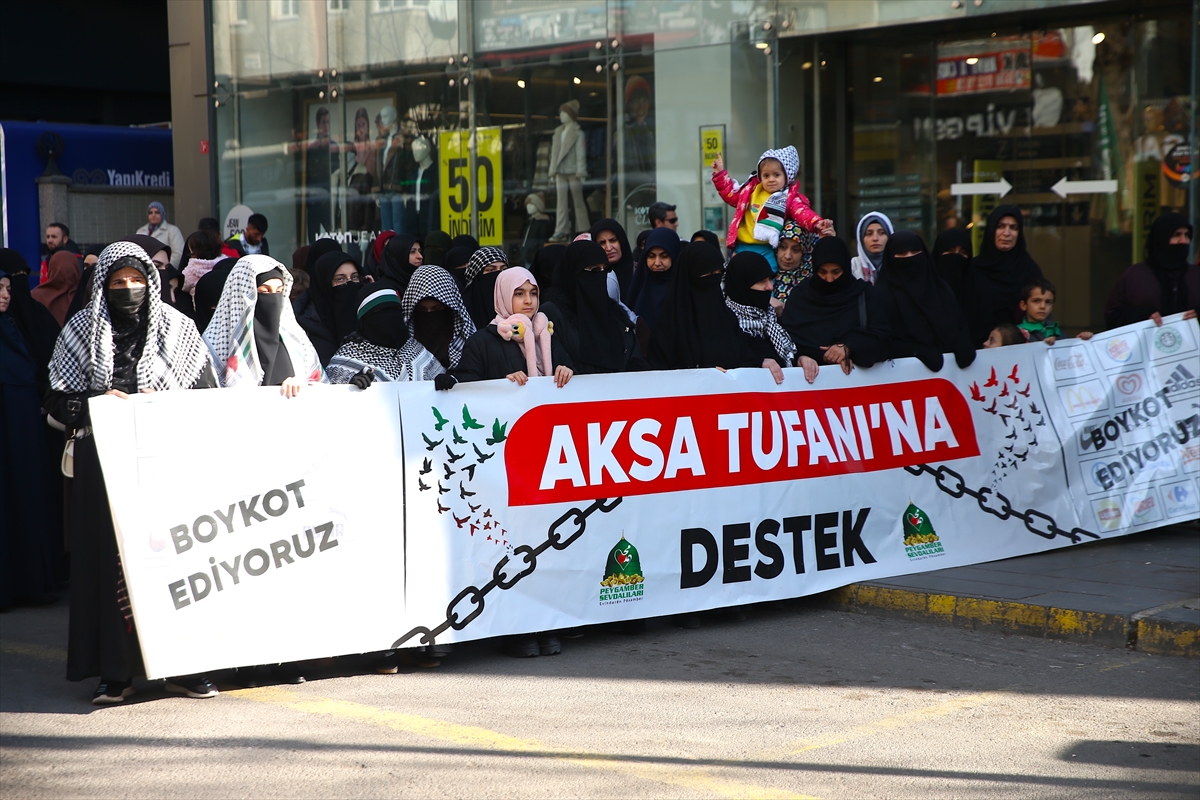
(591, 325)
(695, 329)
(1163, 283)
(328, 313)
(479, 286)
(921, 310)
(766, 337)
(992, 289)
(123, 342)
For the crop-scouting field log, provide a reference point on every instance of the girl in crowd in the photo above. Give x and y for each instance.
(833, 316)
(30, 523)
(992, 289)
(952, 258)
(592, 326)
(545, 261)
(373, 351)
(254, 336)
(516, 343)
(748, 288)
(328, 312)
(402, 255)
(794, 260)
(653, 279)
(1164, 283)
(920, 308)
(59, 288)
(125, 341)
(695, 329)
(204, 251)
(483, 269)
(455, 263)
(871, 237)
(611, 237)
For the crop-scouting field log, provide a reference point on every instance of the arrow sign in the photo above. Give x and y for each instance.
(1000, 187)
(1065, 187)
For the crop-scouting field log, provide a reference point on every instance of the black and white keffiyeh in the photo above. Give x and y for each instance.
(763, 324)
(480, 259)
(230, 335)
(356, 354)
(435, 282)
(174, 355)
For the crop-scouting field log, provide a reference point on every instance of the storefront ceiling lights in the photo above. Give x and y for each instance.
(520, 84)
(761, 45)
(419, 83)
(576, 81)
(1098, 38)
(806, 65)
(879, 79)
(599, 68)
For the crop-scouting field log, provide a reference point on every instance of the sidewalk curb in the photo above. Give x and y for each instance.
(1123, 631)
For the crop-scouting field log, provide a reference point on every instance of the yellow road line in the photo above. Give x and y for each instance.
(694, 779)
(33, 651)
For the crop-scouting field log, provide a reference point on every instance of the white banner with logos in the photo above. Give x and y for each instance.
(255, 529)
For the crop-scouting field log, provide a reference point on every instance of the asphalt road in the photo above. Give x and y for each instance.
(792, 702)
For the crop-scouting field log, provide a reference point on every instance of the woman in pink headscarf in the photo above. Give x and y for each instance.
(519, 343)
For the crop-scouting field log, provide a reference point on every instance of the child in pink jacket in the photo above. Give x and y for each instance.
(763, 203)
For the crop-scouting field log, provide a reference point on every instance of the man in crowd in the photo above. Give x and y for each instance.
(663, 216)
(253, 241)
(58, 237)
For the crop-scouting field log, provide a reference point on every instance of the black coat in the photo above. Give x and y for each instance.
(488, 357)
(814, 321)
(567, 334)
(322, 338)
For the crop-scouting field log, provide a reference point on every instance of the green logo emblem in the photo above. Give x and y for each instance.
(920, 539)
(1167, 340)
(623, 580)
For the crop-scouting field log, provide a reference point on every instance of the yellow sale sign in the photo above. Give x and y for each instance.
(459, 187)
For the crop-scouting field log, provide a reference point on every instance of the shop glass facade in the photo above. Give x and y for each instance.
(345, 117)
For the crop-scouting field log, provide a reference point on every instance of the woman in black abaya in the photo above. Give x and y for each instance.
(992, 289)
(695, 328)
(328, 310)
(921, 310)
(610, 235)
(483, 268)
(834, 317)
(590, 324)
(402, 255)
(545, 261)
(952, 257)
(748, 289)
(1162, 284)
(126, 340)
(653, 276)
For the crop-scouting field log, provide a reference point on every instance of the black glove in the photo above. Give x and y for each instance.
(931, 357)
(363, 378)
(444, 381)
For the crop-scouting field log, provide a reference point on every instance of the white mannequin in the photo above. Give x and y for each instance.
(421, 152)
(568, 167)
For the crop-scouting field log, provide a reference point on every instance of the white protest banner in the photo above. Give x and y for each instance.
(494, 509)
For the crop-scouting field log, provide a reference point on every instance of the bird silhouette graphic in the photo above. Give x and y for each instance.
(456, 439)
(453, 455)
(486, 514)
(442, 489)
(441, 508)
(1023, 392)
(1012, 435)
(470, 424)
(446, 467)
(430, 444)
(469, 469)
(991, 381)
(463, 494)
(990, 409)
(1032, 406)
(976, 394)
(441, 421)
(1004, 391)
(461, 520)
(420, 483)
(473, 508)
(497, 433)
(426, 467)
(1012, 376)
(1013, 404)
(474, 527)
(480, 453)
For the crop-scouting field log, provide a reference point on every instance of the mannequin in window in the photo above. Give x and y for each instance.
(537, 230)
(422, 202)
(398, 165)
(568, 167)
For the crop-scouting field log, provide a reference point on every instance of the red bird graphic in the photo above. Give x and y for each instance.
(474, 528)
(992, 380)
(486, 514)
(1004, 393)
(1013, 375)
(992, 408)
(442, 509)
(462, 521)
(1024, 392)
(976, 394)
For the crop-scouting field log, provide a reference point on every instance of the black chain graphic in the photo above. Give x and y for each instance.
(997, 505)
(500, 578)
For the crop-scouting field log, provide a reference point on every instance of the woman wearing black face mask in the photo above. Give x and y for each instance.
(1165, 283)
(591, 325)
(834, 317)
(123, 342)
(272, 351)
(952, 257)
(328, 311)
(695, 328)
(483, 268)
(920, 308)
(373, 351)
(748, 290)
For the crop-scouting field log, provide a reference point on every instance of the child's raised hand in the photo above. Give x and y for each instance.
(826, 228)
(718, 164)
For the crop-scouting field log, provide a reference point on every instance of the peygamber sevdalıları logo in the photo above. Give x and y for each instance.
(623, 580)
(1167, 340)
(920, 539)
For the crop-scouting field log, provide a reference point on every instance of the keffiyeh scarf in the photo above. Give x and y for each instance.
(174, 355)
(230, 335)
(480, 259)
(356, 354)
(761, 322)
(434, 282)
(768, 226)
(786, 280)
